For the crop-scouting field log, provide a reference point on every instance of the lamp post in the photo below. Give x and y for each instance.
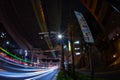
(72, 53)
(62, 51)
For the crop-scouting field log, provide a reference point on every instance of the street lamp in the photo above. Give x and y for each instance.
(62, 51)
(60, 36)
(62, 54)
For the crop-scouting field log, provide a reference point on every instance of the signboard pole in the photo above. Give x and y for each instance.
(87, 38)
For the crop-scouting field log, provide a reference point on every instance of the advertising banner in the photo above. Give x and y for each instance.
(84, 28)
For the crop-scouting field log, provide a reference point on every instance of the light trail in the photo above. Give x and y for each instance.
(16, 57)
(25, 75)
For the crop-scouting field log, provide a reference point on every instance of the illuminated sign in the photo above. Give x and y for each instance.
(84, 27)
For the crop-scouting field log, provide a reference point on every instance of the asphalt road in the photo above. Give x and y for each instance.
(50, 75)
(13, 72)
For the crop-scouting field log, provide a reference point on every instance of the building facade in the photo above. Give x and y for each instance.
(107, 43)
(102, 17)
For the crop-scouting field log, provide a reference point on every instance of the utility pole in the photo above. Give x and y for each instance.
(62, 56)
(62, 51)
(72, 53)
(90, 60)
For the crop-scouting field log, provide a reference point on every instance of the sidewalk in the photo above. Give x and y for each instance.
(105, 74)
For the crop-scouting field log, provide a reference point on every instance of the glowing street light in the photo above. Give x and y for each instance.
(60, 36)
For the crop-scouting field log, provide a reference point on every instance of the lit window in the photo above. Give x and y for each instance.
(76, 42)
(114, 56)
(117, 34)
(77, 48)
(65, 46)
(1, 36)
(7, 42)
(77, 53)
(26, 53)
